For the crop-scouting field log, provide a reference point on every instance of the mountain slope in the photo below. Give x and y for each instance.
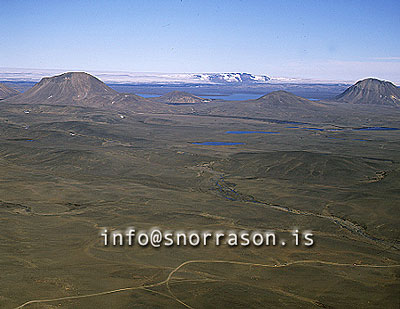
(6, 92)
(371, 91)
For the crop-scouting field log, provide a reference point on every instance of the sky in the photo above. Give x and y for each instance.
(328, 40)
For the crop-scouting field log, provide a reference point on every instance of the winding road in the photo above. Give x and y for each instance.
(176, 269)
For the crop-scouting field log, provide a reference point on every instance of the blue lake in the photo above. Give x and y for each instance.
(314, 129)
(250, 132)
(146, 95)
(376, 129)
(218, 143)
(335, 137)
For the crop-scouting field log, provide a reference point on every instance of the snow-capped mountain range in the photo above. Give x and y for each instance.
(33, 75)
(223, 78)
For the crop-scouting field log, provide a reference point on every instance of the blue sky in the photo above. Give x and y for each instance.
(338, 40)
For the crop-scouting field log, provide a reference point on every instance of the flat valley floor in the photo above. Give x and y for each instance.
(67, 172)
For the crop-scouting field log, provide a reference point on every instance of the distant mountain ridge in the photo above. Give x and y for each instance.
(371, 91)
(83, 89)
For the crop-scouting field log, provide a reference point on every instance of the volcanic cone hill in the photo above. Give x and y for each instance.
(79, 89)
(275, 105)
(285, 99)
(133, 102)
(180, 97)
(371, 91)
(6, 92)
(73, 88)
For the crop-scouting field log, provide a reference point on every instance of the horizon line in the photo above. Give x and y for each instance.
(41, 73)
